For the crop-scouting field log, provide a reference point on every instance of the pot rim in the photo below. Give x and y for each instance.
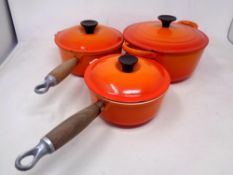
(127, 103)
(130, 45)
(142, 46)
(110, 51)
(106, 50)
(167, 51)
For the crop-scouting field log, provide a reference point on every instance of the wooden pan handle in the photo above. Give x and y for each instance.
(63, 70)
(56, 75)
(59, 136)
(73, 125)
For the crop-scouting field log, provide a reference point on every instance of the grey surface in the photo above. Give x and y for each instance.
(7, 34)
(230, 32)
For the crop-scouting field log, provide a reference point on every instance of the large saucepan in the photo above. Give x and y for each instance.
(126, 90)
(178, 46)
(78, 46)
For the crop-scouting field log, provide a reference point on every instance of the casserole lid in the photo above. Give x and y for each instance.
(165, 36)
(89, 37)
(126, 78)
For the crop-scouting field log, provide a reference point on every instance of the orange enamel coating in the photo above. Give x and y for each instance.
(179, 65)
(128, 114)
(75, 42)
(130, 98)
(149, 80)
(75, 39)
(84, 59)
(178, 47)
(178, 38)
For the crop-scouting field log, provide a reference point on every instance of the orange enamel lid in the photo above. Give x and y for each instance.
(89, 37)
(165, 36)
(126, 78)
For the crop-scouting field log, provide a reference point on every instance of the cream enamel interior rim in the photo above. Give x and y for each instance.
(124, 103)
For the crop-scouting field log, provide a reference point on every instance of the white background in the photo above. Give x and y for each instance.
(44, 18)
(192, 134)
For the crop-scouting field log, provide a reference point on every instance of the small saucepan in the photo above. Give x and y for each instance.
(125, 90)
(178, 46)
(78, 46)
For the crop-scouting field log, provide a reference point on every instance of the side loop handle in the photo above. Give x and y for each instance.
(188, 23)
(139, 52)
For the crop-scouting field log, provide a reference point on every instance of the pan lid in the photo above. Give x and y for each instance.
(165, 36)
(126, 78)
(89, 37)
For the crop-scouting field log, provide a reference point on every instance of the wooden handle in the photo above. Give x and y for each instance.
(73, 125)
(64, 69)
(56, 75)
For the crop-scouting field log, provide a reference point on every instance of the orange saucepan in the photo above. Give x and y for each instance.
(125, 90)
(178, 46)
(130, 87)
(78, 46)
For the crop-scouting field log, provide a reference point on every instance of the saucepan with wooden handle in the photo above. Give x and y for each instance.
(78, 46)
(125, 90)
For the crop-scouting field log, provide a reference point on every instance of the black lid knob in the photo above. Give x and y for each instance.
(166, 20)
(89, 26)
(128, 62)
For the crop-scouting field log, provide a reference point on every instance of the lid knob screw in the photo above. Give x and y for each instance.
(166, 20)
(89, 26)
(128, 62)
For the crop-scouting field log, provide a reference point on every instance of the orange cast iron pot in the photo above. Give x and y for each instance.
(131, 88)
(126, 91)
(177, 46)
(78, 46)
